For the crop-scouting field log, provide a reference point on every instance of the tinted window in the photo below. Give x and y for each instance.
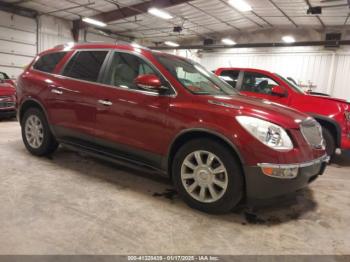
(230, 76)
(85, 65)
(257, 83)
(48, 62)
(125, 68)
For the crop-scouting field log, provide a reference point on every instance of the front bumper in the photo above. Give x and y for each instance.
(7, 113)
(261, 187)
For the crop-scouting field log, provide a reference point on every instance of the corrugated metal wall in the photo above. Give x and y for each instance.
(328, 70)
(17, 42)
(53, 31)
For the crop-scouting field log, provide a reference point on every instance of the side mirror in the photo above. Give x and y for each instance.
(278, 91)
(149, 82)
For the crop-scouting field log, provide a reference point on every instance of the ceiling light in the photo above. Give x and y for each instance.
(159, 13)
(173, 44)
(240, 5)
(93, 21)
(288, 39)
(228, 41)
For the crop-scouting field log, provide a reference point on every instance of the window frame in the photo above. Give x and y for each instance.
(98, 81)
(262, 74)
(172, 91)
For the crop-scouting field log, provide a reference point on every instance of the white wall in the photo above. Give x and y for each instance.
(53, 31)
(17, 42)
(328, 69)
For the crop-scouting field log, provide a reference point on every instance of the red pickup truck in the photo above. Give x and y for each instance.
(333, 114)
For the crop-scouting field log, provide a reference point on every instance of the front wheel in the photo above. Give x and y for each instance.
(330, 141)
(208, 176)
(36, 133)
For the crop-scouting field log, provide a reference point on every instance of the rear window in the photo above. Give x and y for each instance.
(230, 76)
(47, 63)
(85, 65)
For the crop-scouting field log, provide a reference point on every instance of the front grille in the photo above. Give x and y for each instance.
(312, 132)
(6, 104)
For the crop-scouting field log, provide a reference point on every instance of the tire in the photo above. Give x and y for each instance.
(224, 198)
(46, 143)
(330, 142)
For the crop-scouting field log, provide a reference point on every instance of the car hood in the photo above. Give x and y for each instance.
(322, 98)
(7, 90)
(263, 109)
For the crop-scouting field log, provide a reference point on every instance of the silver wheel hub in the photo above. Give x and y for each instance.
(34, 131)
(204, 176)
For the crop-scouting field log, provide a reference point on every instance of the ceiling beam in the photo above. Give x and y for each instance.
(136, 9)
(8, 7)
(284, 13)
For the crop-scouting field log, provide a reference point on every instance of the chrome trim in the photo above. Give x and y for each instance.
(113, 50)
(324, 158)
(311, 122)
(105, 102)
(219, 103)
(56, 91)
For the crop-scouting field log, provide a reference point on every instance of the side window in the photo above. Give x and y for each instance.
(258, 83)
(85, 65)
(230, 76)
(125, 68)
(48, 62)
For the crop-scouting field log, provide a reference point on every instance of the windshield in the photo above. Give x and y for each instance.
(292, 85)
(195, 77)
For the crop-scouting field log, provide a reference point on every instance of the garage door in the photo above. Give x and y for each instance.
(17, 43)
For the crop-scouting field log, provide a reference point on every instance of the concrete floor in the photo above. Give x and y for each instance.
(73, 204)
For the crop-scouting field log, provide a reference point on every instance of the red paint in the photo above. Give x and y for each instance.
(152, 122)
(331, 108)
(7, 94)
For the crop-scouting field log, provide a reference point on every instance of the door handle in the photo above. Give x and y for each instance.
(56, 91)
(105, 102)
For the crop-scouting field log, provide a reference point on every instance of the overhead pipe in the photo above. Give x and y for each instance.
(250, 45)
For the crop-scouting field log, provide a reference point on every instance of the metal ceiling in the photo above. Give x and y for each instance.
(199, 18)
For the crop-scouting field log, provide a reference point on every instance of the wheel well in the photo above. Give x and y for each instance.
(26, 105)
(331, 128)
(188, 136)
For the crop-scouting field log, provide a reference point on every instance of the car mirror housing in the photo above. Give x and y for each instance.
(278, 91)
(149, 82)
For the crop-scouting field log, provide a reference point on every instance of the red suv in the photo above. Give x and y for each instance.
(163, 112)
(7, 99)
(333, 114)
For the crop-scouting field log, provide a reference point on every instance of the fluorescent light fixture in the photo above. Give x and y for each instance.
(173, 44)
(288, 39)
(159, 13)
(94, 22)
(240, 5)
(228, 41)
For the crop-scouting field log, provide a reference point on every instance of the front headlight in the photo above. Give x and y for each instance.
(266, 132)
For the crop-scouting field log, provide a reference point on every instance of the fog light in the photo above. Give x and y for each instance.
(286, 173)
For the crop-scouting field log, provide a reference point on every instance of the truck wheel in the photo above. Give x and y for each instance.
(36, 133)
(208, 176)
(330, 141)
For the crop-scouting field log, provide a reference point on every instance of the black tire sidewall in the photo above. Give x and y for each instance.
(330, 142)
(234, 191)
(49, 143)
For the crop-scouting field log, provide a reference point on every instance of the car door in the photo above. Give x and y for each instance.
(262, 86)
(72, 99)
(131, 120)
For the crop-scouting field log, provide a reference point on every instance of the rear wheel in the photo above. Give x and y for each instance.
(330, 141)
(36, 133)
(208, 176)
